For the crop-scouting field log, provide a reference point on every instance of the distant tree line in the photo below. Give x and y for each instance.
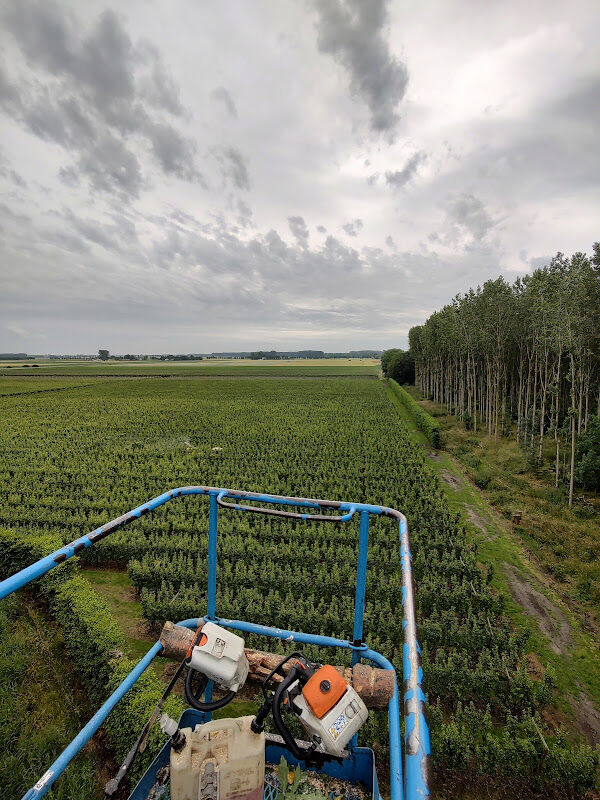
(275, 355)
(104, 355)
(524, 356)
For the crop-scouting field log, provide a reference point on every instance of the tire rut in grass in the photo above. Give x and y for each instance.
(551, 620)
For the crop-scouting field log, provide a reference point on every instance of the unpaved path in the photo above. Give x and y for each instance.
(476, 519)
(451, 480)
(587, 716)
(553, 623)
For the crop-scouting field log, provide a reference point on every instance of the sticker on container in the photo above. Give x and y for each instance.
(338, 726)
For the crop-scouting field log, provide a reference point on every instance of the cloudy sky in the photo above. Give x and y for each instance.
(180, 176)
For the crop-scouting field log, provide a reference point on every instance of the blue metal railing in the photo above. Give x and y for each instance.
(417, 747)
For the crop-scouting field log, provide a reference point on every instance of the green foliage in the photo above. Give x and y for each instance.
(95, 645)
(402, 368)
(523, 357)
(290, 784)
(18, 551)
(587, 472)
(129, 716)
(337, 438)
(425, 421)
(472, 744)
(387, 357)
(35, 721)
(90, 632)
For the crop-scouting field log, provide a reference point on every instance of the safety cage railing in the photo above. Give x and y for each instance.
(409, 766)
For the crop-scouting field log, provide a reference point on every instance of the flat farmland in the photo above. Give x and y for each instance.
(315, 367)
(73, 460)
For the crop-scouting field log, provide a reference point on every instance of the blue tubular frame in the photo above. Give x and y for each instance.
(417, 745)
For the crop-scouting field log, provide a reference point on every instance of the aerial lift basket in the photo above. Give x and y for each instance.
(408, 760)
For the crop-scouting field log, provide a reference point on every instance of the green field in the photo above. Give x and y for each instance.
(18, 386)
(297, 367)
(74, 459)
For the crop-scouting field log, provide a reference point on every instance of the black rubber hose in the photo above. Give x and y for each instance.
(298, 752)
(192, 695)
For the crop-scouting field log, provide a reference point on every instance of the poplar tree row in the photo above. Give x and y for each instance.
(521, 358)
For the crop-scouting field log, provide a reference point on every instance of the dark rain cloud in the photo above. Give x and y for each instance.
(299, 230)
(103, 248)
(353, 32)
(401, 177)
(234, 167)
(94, 91)
(221, 95)
(354, 227)
(469, 212)
(257, 280)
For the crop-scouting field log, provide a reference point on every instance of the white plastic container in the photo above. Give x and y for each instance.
(221, 760)
(220, 655)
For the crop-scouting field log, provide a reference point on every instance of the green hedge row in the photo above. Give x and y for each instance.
(425, 422)
(95, 644)
(35, 721)
(470, 744)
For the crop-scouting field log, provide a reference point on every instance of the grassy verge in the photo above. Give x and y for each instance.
(119, 593)
(534, 601)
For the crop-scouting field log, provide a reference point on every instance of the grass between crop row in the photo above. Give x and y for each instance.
(118, 591)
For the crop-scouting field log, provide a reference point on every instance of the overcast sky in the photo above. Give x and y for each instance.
(181, 176)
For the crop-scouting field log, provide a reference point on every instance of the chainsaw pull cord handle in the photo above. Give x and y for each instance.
(297, 751)
(192, 695)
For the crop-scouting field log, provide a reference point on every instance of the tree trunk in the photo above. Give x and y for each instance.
(375, 686)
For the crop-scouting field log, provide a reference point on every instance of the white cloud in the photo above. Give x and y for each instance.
(248, 190)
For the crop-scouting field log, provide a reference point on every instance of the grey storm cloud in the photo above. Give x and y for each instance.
(257, 281)
(222, 96)
(234, 167)
(299, 230)
(353, 32)
(92, 91)
(7, 172)
(353, 228)
(401, 177)
(470, 213)
(143, 211)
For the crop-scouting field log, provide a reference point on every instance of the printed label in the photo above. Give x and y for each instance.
(43, 780)
(338, 726)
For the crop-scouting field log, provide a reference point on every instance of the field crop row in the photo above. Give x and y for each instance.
(319, 368)
(68, 466)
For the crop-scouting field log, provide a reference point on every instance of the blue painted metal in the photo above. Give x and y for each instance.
(416, 732)
(282, 633)
(416, 764)
(212, 557)
(361, 582)
(85, 734)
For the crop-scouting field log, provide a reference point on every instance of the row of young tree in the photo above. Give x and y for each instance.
(524, 355)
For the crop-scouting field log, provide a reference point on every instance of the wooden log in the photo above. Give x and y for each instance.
(375, 686)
